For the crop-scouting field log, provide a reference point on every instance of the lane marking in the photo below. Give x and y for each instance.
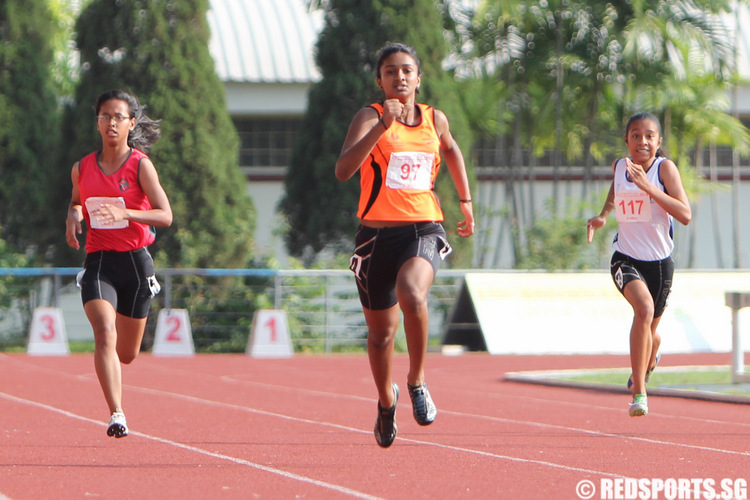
(89, 377)
(195, 449)
(451, 412)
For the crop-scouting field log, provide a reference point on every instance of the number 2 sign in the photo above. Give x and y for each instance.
(174, 337)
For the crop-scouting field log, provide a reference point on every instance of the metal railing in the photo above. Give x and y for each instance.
(322, 306)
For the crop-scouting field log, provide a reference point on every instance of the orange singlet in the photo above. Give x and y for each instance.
(397, 179)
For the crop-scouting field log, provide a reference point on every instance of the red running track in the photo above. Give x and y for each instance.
(235, 427)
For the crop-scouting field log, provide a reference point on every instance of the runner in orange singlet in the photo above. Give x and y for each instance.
(397, 147)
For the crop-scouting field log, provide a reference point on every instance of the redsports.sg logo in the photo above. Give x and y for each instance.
(670, 489)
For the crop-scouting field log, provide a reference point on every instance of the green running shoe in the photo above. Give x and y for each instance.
(639, 406)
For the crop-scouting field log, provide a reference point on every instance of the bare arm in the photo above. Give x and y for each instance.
(75, 212)
(364, 133)
(598, 221)
(457, 167)
(161, 210)
(674, 201)
(160, 213)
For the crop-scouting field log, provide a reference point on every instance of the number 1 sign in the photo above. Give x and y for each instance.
(269, 336)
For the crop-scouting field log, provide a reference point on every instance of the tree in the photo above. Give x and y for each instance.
(158, 49)
(28, 127)
(321, 212)
(572, 72)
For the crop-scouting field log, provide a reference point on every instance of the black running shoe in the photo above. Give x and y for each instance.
(421, 402)
(385, 425)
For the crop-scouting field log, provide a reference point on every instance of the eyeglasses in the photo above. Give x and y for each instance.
(117, 118)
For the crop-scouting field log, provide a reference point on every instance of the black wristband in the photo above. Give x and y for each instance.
(465, 201)
(383, 123)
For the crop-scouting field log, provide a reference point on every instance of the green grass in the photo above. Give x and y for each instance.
(81, 346)
(700, 377)
(716, 380)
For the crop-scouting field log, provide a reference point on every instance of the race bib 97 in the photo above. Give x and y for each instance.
(410, 170)
(633, 206)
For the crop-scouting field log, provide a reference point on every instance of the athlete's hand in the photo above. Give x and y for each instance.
(466, 227)
(637, 174)
(73, 228)
(392, 109)
(592, 225)
(109, 214)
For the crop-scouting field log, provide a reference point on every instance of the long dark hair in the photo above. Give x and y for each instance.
(146, 131)
(646, 116)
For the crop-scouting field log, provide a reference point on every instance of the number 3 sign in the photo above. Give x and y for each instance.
(47, 333)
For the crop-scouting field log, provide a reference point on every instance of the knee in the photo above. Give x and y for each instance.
(644, 312)
(127, 357)
(380, 339)
(412, 300)
(105, 337)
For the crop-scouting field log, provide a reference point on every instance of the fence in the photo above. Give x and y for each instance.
(322, 306)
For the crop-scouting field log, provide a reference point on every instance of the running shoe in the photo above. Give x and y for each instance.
(422, 405)
(118, 427)
(385, 425)
(639, 406)
(648, 373)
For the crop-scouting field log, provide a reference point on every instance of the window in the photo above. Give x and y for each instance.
(267, 142)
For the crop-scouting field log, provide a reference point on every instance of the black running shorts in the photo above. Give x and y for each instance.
(657, 275)
(124, 279)
(380, 252)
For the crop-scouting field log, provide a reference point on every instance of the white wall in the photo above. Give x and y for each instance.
(269, 241)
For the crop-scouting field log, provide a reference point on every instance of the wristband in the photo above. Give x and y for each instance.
(382, 122)
(468, 200)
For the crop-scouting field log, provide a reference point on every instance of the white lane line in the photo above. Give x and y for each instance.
(297, 419)
(456, 413)
(195, 449)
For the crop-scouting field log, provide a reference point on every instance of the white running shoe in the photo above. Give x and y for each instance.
(118, 426)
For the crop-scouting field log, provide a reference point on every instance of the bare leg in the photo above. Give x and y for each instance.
(129, 337)
(102, 316)
(412, 288)
(638, 296)
(111, 348)
(655, 343)
(382, 325)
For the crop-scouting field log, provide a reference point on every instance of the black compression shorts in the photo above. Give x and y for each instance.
(657, 275)
(380, 252)
(124, 279)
